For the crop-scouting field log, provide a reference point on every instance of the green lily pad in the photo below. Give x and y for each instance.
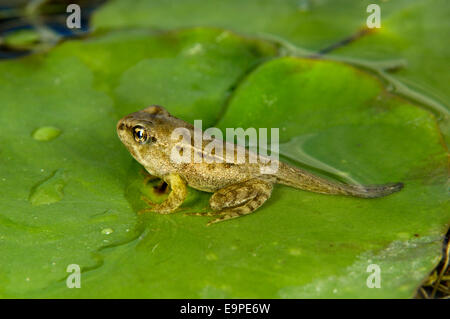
(412, 32)
(22, 39)
(50, 220)
(298, 244)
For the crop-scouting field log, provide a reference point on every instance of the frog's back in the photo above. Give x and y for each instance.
(210, 177)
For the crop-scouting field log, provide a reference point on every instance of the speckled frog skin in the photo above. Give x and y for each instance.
(238, 188)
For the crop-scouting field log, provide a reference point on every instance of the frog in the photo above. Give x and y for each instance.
(238, 187)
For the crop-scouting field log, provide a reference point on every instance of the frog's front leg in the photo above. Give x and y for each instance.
(177, 195)
(238, 199)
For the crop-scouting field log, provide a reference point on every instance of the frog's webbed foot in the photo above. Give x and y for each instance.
(204, 214)
(151, 205)
(176, 196)
(238, 200)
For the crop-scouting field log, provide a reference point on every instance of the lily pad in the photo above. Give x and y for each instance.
(298, 244)
(412, 35)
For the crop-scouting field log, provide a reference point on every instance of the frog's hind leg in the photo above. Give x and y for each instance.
(238, 199)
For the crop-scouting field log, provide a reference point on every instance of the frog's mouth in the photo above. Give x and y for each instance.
(123, 132)
(126, 137)
(122, 124)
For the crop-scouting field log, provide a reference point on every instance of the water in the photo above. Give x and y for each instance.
(50, 190)
(46, 133)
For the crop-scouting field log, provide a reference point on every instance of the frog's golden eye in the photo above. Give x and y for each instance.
(140, 134)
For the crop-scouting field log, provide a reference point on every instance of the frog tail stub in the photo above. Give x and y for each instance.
(373, 191)
(295, 177)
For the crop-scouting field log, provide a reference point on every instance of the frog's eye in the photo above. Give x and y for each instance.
(140, 134)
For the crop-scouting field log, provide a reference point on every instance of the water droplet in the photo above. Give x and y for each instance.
(46, 133)
(196, 49)
(49, 190)
(210, 292)
(295, 252)
(222, 36)
(107, 231)
(390, 87)
(403, 235)
(303, 5)
(105, 217)
(269, 101)
(211, 256)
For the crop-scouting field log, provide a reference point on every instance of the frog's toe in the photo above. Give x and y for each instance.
(204, 214)
(216, 220)
(149, 208)
(147, 200)
(222, 217)
(145, 210)
(155, 208)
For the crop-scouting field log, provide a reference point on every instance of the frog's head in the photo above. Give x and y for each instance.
(139, 131)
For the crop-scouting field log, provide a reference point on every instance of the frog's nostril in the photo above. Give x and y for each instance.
(121, 126)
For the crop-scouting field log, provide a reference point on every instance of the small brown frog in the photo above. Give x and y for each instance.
(238, 188)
